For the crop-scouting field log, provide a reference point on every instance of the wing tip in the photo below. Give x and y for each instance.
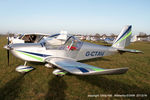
(117, 71)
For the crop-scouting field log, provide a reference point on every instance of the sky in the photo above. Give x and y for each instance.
(74, 16)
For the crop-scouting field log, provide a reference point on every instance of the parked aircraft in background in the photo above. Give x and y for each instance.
(35, 37)
(109, 40)
(27, 38)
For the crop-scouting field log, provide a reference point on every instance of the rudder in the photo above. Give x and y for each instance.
(123, 38)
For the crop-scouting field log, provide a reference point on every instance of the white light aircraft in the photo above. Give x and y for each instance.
(64, 56)
(35, 37)
(27, 38)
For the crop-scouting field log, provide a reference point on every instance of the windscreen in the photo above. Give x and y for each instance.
(73, 43)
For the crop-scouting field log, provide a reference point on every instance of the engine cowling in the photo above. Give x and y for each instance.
(59, 72)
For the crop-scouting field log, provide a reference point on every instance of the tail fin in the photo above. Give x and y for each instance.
(123, 38)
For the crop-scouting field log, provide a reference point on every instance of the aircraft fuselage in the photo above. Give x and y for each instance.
(37, 52)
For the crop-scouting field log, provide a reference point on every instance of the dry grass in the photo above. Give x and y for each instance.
(41, 84)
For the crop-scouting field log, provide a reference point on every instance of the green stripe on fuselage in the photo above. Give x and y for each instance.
(32, 56)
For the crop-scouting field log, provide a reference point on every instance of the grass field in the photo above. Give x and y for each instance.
(41, 84)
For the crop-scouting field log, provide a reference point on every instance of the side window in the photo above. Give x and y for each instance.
(27, 39)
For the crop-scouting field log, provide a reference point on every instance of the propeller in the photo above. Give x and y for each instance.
(8, 50)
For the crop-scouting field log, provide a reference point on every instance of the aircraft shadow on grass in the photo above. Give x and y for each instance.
(57, 86)
(113, 86)
(36, 63)
(11, 89)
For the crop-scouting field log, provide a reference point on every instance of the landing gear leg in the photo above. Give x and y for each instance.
(49, 65)
(25, 63)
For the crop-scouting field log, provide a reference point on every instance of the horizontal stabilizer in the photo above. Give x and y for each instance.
(129, 50)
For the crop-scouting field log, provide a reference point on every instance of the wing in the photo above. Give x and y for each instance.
(78, 68)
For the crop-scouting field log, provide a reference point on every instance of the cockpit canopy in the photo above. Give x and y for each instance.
(58, 41)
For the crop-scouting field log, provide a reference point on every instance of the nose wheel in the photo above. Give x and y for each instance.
(24, 68)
